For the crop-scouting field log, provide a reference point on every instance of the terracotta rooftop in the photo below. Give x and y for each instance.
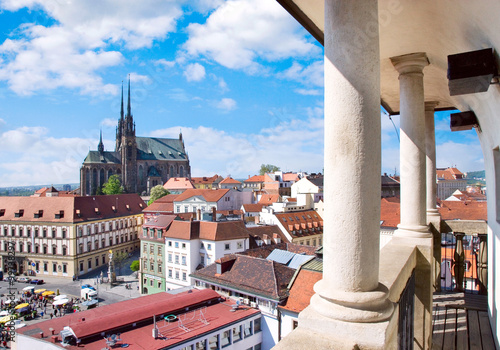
(302, 290)
(390, 212)
(209, 230)
(230, 180)
(258, 232)
(449, 174)
(164, 205)
(463, 210)
(291, 177)
(160, 221)
(69, 209)
(301, 223)
(204, 179)
(178, 183)
(253, 208)
(208, 194)
(255, 178)
(264, 251)
(270, 282)
(268, 199)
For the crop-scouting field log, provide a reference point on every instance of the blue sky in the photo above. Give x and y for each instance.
(241, 79)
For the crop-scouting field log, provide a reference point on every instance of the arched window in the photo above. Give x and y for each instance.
(172, 171)
(87, 181)
(141, 175)
(181, 171)
(54, 249)
(94, 181)
(110, 173)
(88, 246)
(101, 177)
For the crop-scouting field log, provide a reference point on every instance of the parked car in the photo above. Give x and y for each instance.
(88, 286)
(24, 279)
(36, 281)
(9, 278)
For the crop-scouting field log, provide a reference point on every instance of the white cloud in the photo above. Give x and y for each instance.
(240, 32)
(109, 122)
(165, 63)
(30, 157)
(292, 145)
(134, 77)
(194, 72)
(226, 104)
(70, 52)
(464, 156)
(309, 92)
(311, 75)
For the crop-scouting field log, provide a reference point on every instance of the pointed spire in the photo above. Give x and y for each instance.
(100, 147)
(128, 105)
(121, 113)
(180, 134)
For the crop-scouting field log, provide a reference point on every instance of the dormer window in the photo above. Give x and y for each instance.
(19, 214)
(113, 208)
(59, 215)
(96, 210)
(128, 207)
(2, 212)
(78, 213)
(38, 214)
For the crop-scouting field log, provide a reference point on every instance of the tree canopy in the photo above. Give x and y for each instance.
(268, 168)
(135, 266)
(113, 186)
(156, 193)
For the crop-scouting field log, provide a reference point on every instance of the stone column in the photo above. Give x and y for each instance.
(430, 150)
(412, 148)
(349, 302)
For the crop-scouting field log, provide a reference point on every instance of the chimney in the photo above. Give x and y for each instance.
(198, 214)
(277, 238)
(257, 219)
(53, 339)
(266, 239)
(214, 214)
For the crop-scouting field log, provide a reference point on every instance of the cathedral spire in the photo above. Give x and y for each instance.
(129, 113)
(121, 113)
(100, 147)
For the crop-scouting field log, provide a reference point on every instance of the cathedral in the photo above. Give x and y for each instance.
(141, 162)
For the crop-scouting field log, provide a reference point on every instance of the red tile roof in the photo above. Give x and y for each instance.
(209, 230)
(255, 178)
(163, 205)
(178, 183)
(204, 179)
(449, 174)
(267, 199)
(302, 290)
(390, 212)
(295, 221)
(463, 210)
(160, 221)
(230, 180)
(73, 209)
(253, 208)
(186, 230)
(208, 194)
(290, 177)
(272, 231)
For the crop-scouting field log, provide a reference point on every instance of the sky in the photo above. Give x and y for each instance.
(240, 79)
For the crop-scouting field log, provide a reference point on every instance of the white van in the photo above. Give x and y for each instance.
(88, 294)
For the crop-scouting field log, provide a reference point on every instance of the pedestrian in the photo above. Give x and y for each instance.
(41, 314)
(55, 312)
(51, 315)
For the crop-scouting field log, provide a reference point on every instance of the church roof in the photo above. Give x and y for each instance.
(107, 157)
(153, 148)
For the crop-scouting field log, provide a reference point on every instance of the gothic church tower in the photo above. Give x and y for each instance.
(127, 146)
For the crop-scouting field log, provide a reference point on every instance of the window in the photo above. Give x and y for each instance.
(45, 267)
(257, 347)
(256, 325)
(64, 251)
(53, 233)
(213, 342)
(184, 260)
(176, 275)
(145, 248)
(186, 208)
(209, 246)
(81, 265)
(227, 246)
(64, 233)
(183, 245)
(248, 329)
(20, 231)
(169, 273)
(177, 259)
(151, 249)
(37, 266)
(44, 234)
(159, 250)
(169, 257)
(177, 208)
(36, 249)
(184, 276)
(54, 267)
(88, 246)
(89, 264)
(54, 249)
(236, 334)
(169, 243)
(225, 338)
(152, 266)
(151, 283)
(104, 259)
(177, 244)
(159, 267)
(239, 245)
(65, 268)
(44, 249)
(97, 261)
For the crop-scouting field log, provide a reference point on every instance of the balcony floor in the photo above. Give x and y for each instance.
(460, 321)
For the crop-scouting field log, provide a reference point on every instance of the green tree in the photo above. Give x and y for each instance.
(156, 193)
(119, 259)
(135, 266)
(268, 168)
(113, 185)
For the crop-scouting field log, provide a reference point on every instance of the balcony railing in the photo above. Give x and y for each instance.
(464, 266)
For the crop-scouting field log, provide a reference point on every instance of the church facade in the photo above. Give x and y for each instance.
(141, 162)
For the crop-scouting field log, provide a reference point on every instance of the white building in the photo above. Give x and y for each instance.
(190, 244)
(205, 199)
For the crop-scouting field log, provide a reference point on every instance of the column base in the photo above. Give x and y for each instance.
(433, 212)
(360, 307)
(415, 231)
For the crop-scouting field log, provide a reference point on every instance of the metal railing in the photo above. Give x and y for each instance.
(406, 315)
(464, 263)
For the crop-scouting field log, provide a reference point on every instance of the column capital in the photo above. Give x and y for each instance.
(410, 63)
(431, 105)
